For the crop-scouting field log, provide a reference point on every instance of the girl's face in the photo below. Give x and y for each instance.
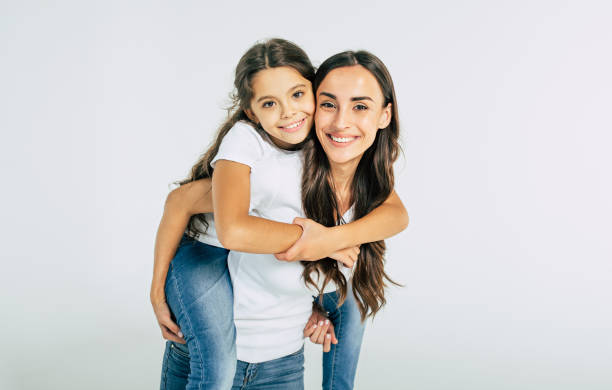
(283, 103)
(350, 111)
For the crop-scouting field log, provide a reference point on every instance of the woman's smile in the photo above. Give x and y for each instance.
(350, 112)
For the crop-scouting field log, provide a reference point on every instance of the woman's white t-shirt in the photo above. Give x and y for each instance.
(271, 301)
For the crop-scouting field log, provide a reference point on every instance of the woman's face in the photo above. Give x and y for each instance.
(350, 110)
(283, 104)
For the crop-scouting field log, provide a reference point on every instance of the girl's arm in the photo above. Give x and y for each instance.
(236, 229)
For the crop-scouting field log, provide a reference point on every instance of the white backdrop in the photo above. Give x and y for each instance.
(505, 110)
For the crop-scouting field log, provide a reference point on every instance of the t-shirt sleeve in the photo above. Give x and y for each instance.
(241, 144)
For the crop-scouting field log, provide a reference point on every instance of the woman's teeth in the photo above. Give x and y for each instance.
(340, 139)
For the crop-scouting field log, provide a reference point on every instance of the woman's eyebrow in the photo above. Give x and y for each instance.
(353, 99)
(329, 95)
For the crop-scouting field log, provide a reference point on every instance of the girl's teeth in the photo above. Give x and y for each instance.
(342, 140)
(294, 125)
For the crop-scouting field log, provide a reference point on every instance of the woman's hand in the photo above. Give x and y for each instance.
(347, 256)
(170, 330)
(316, 242)
(320, 330)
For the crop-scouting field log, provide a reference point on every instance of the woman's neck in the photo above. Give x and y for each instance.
(342, 178)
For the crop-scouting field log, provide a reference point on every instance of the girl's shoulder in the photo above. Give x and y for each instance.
(242, 144)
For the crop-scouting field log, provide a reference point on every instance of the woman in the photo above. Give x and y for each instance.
(356, 116)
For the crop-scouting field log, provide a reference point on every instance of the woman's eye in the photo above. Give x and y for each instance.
(327, 105)
(298, 94)
(267, 104)
(361, 107)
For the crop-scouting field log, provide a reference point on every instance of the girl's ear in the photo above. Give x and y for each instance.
(249, 113)
(385, 117)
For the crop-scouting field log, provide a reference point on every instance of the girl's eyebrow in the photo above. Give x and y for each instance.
(272, 97)
(353, 99)
(297, 86)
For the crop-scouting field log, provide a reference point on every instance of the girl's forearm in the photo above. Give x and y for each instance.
(257, 235)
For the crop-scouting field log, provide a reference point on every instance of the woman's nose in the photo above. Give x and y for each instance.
(341, 119)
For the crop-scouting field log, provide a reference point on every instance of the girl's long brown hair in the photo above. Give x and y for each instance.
(371, 186)
(272, 53)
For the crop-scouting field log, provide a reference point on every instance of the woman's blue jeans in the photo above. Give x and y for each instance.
(199, 293)
(340, 363)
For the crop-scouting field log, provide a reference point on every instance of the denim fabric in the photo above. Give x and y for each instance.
(199, 293)
(285, 373)
(340, 363)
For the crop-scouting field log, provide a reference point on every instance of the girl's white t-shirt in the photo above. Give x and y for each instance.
(271, 301)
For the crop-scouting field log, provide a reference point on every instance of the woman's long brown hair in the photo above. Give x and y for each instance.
(371, 186)
(272, 53)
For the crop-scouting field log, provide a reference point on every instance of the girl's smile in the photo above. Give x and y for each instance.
(283, 105)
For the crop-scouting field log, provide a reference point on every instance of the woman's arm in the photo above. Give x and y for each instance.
(385, 221)
(181, 204)
(236, 229)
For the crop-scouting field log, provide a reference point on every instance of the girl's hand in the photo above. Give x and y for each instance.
(170, 330)
(320, 330)
(316, 242)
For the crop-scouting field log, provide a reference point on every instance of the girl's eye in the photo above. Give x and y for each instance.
(361, 107)
(267, 104)
(327, 105)
(298, 94)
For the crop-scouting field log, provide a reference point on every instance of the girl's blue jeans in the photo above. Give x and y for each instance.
(199, 293)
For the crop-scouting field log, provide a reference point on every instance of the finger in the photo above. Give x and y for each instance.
(317, 331)
(299, 221)
(323, 332)
(172, 326)
(291, 254)
(309, 328)
(331, 331)
(168, 335)
(281, 256)
(347, 262)
(327, 343)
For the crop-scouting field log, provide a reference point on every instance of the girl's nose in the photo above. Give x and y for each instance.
(288, 110)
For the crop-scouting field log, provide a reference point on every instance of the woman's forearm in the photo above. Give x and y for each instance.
(383, 222)
(171, 228)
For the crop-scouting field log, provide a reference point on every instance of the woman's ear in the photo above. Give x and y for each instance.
(249, 113)
(385, 117)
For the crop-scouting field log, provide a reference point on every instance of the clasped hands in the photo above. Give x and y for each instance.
(318, 242)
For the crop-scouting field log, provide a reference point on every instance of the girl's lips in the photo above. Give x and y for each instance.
(294, 129)
(341, 144)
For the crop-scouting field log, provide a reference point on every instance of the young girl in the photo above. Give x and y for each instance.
(255, 178)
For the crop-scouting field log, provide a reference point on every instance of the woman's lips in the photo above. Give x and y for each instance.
(293, 127)
(341, 141)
